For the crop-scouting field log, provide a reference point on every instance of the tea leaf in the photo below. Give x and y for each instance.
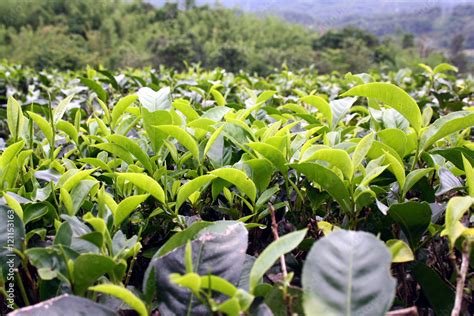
(338, 267)
(394, 97)
(15, 118)
(123, 294)
(61, 108)
(271, 254)
(192, 186)
(126, 207)
(182, 136)
(239, 179)
(145, 183)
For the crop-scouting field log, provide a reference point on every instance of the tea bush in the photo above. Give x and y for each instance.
(207, 192)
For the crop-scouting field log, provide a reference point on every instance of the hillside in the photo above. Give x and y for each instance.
(118, 34)
(436, 21)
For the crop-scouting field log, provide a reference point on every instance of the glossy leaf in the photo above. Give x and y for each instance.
(212, 139)
(60, 109)
(261, 170)
(179, 239)
(43, 125)
(14, 205)
(121, 106)
(447, 181)
(183, 137)
(446, 125)
(320, 104)
(74, 180)
(220, 100)
(271, 254)
(469, 170)
(393, 96)
(413, 177)
(400, 251)
(362, 149)
(10, 153)
(192, 186)
(127, 206)
(272, 154)
(328, 180)
(154, 101)
(116, 150)
(396, 168)
(413, 218)
(145, 183)
(36, 211)
(132, 147)
(15, 119)
(455, 210)
(336, 157)
(69, 129)
(394, 138)
(96, 87)
(340, 108)
(443, 67)
(123, 294)
(239, 179)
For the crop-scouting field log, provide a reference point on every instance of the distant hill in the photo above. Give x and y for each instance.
(437, 21)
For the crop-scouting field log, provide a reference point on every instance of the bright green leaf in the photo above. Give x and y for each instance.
(126, 207)
(239, 179)
(123, 294)
(393, 96)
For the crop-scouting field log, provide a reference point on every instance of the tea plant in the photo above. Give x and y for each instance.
(207, 192)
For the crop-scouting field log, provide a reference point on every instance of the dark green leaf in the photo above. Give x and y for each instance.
(219, 249)
(65, 305)
(328, 180)
(439, 294)
(413, 218)
(348, 273)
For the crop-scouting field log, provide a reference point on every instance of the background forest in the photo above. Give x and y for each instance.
(117, 34)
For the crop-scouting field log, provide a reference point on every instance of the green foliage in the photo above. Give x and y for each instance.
(118, 33)
(220, 190)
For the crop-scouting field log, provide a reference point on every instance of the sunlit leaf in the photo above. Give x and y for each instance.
(239, 179)
(393, 96)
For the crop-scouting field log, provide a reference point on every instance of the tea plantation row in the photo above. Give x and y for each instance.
(206, 192)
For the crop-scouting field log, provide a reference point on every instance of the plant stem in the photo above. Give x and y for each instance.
(415, 158)
(51, 120)
(409, 311)
(5, 295)
(24, 296)
(276, 237)
(298, 192)
(58, 206)
(34, 286)
(461, 280)
(134, 259)
(130, 270)
(30, 140)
